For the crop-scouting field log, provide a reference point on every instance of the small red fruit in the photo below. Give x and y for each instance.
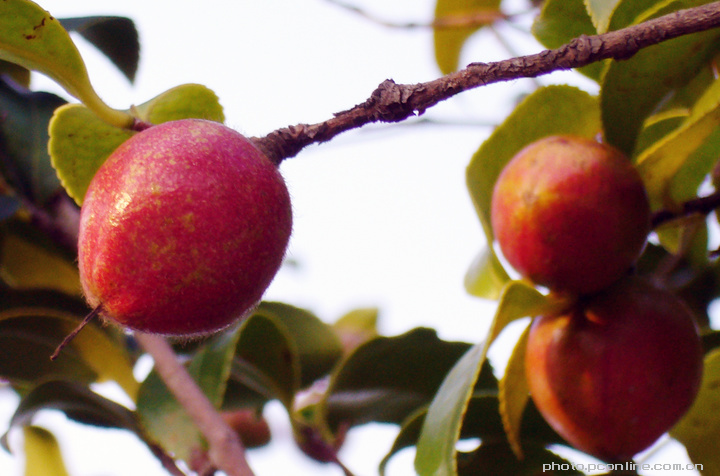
(570, 214)
(182, 229)
(616, 371)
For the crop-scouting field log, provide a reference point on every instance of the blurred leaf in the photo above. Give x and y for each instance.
(34, 39)
(17, 73)
(80, 142)
(632, 12)
(182, 102)
(42, 453)
(116, 37)
(699, 428)
(497, 458)
(317, 344)
(266, 365)
(449, 41)
(631, 89)
(26, 265)
(659, 163)
(601, 11)
(26, 163)
(514, 394)
(388, 378)
(548, 111)
(165, 419)
(561, 21)
(356, 327)
(486, 276)
(9, 205)
(436, 447)
(29, 335)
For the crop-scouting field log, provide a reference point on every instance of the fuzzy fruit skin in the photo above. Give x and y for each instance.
(182, 229)
(570, 214)
(616, 372)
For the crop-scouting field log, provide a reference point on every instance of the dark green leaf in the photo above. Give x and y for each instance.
(116, 37)
(497, 458)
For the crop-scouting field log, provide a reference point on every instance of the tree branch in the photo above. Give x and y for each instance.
(392, 102)
(225, 448)
(702, 206)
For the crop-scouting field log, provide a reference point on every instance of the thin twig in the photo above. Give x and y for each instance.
(702, 205)
(226, 451)
(392, 102)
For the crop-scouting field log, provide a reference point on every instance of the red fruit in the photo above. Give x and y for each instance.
(570, 214)
(182, 229)
(617, 371)
(252, 428)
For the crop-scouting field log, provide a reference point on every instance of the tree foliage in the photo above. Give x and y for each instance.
(660, 105)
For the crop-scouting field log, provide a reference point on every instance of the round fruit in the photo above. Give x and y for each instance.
(570, 214)
(617, 371)
(182, 229)
(252, 428)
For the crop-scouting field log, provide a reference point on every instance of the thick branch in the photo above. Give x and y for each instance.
(392, 102)
(225, 448)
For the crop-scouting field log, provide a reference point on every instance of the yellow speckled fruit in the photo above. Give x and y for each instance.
(182, 229)
(618, 370)
(570, 214)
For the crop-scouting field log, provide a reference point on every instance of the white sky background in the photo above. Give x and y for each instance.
(382, 215)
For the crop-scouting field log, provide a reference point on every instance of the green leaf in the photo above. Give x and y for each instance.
(356, 327)
(514, 394)
(632, 12)
(659, 163)
(700, 426)
(42, 453)
(562, 20)
(388, 378)
(449, 40)
(436, 447)
(266, 365)
(632, 89)
(497, 458)
(115, 37)
(601, 11)
(165, 419)
(30, 334)
(548, 111)
(25, 117)
(181, 102)
(34, 39)
(80, 142)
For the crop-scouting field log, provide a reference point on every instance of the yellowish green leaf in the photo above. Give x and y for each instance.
(700, 426)
(42, 453)
(26, 265)
(450, 37)
(659, 163)
(441, 429)
(514, 394)
(31, 37)
(601, 11)
(182, 102)
(486, 277)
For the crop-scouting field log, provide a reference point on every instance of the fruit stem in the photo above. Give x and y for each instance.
(226, 451)
(92, 315)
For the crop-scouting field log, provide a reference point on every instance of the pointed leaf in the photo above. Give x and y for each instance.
(436, 447)
(449, 40)
(116, 37)
(514, 394)
(700, 426)
(548, 111)
(631, 89)
(25, 117)
(182, 102)
(42, 453)
(486, 276)
(32, 38)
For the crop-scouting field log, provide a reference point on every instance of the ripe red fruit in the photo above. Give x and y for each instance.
(182, 229)
(617, 371)
(570, 214)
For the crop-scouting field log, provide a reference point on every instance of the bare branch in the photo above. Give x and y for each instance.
(225, 448)
(392, 102)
